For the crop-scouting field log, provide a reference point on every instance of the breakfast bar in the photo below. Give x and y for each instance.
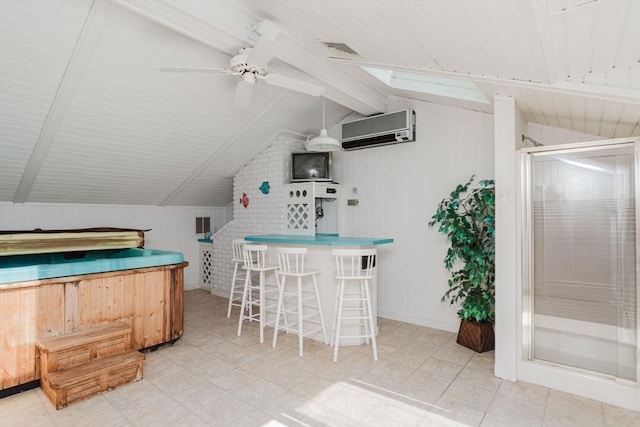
(319, 257)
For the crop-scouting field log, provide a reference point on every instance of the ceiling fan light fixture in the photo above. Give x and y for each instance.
(249, 77)
(251, 63)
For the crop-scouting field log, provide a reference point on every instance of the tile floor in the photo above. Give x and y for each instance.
(211, 377)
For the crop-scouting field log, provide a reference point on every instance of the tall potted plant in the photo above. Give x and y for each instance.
(467, 218)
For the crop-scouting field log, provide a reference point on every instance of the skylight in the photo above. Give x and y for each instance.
(441, 86)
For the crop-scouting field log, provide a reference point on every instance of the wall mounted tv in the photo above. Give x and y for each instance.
(311, 167)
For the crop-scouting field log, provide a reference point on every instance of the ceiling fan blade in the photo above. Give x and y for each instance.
(294, 84)
(195, 70)
(243, 94)
(263, 51)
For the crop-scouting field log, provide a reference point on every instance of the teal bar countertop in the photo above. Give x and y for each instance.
(319, 240)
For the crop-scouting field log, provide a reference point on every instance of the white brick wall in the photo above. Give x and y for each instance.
(265, 213)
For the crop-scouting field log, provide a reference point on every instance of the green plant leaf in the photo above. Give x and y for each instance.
(467, 218)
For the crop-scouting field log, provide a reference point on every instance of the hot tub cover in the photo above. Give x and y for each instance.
(40, 241)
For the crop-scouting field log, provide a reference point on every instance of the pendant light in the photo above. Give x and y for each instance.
(322, 142)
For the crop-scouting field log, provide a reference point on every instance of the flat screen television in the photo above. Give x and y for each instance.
(311, 167)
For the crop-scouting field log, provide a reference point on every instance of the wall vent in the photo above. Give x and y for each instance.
(203, 224)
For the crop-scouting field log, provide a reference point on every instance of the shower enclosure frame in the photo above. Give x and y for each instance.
(539, 371)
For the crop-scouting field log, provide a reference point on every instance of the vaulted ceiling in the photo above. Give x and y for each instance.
(87, 115)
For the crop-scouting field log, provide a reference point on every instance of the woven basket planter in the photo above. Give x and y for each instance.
(478, 336)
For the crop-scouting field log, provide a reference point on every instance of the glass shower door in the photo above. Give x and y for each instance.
(584, 295)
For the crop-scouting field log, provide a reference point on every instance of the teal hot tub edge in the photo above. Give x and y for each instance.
(23, 268)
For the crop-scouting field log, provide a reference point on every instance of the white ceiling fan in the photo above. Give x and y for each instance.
(251, 65)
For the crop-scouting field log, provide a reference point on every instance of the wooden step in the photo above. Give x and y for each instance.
(98, 376)
(76, 348)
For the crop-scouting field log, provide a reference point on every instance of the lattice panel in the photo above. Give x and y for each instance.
(207, 266)
(298, 216)
(300, 207)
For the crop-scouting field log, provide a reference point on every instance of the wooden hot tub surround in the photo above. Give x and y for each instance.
(149, 299)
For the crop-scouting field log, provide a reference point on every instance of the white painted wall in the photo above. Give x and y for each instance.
(399, 188)
(172, 227)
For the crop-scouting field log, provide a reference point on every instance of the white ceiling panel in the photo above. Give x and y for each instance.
(561, 108)
(593, 108)
(86, 115)
(35, 47)
(594, 37)
(129, 120)
(629, 122)
(608, 119)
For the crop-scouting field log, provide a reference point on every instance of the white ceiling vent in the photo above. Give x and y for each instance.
(340, 48)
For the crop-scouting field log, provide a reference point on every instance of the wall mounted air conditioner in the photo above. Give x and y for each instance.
(383, 129)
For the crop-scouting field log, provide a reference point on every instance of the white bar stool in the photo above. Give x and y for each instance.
(235, 296)
(254, 257)
(291, 264)
(354, 265)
